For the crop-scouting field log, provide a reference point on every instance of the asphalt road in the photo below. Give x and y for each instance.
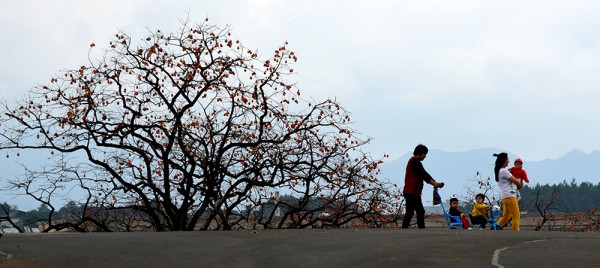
(433, 247)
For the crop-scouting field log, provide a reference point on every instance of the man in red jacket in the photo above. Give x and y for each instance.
(413, 186)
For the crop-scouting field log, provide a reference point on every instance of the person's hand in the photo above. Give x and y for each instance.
(438, 184)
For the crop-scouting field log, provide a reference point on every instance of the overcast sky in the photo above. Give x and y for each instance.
(521, 76)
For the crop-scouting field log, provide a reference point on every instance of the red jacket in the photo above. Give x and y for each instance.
(415, 175)
(519, 173)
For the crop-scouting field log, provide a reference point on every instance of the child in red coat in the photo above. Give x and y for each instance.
(518, 172)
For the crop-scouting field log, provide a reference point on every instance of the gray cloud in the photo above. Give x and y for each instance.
(455, 75)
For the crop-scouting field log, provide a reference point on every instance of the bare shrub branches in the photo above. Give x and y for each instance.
(185, 130)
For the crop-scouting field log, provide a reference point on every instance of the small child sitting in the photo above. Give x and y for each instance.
(454, 211)
(479, 211)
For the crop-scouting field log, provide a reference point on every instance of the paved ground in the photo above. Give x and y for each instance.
(433, 247)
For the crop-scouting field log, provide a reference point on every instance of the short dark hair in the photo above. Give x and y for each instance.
(420, 149)
(480, 195)
(453, 199)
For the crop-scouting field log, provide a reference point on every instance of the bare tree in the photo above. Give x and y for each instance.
(5, 211)
(480, 185)
(49, 183)
(545, 207)
(188, 128)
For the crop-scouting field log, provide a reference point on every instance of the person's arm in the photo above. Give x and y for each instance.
(432, 181)
(457, 213)
(516, 181)
(454, 212)
(423, 175)
(525, 176)
(435, 183)
(482, 206)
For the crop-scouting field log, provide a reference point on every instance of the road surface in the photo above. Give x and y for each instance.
(432, 247)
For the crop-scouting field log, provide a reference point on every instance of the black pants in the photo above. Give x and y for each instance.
(481, 220)
(413, 203)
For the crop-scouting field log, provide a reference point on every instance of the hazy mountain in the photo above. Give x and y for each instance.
(458, 169)
(573, 165)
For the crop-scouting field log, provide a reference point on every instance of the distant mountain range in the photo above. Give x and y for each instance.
(457, 169)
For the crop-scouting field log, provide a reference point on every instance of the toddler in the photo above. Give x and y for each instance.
(454, 211)
(518, 172)
(479, 211)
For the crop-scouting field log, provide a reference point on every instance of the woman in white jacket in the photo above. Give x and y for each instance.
(508, 191)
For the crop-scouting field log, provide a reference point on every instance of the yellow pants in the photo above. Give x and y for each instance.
(510, 210)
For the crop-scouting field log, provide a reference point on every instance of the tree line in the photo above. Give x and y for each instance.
(567, 196)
